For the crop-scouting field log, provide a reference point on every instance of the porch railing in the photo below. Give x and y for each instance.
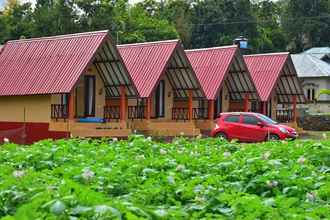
(111, 113)
(136, 112)
(200, 113)
(284, 115)
(59, 111)
(180, 114)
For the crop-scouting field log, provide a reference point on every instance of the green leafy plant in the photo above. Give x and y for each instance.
(144, 179)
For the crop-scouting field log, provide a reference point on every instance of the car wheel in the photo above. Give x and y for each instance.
(273, 137)
(221, 135)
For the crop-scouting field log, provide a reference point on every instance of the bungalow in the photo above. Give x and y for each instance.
(314, 75)
(167, 85)
(278, 85)
(321, 53)
(55, 87)
(226, 81)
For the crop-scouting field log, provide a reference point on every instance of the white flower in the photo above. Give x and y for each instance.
(311, 196)
(301, 160)
(87, 174)
(162, 151)
(114, 139)
(266, 155)
(226, 154)
(181, 133)
(171, 180)
(272, 183)
(161, 212)
(149, 138)
(140, 157)
(5, 140)
(180, 167)
(324, 135)
(200, 199)
(18, 173)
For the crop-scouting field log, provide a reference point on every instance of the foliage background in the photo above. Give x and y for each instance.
(271, 26)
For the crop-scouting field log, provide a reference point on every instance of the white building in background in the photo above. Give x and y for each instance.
(314, 74)
(322, 53)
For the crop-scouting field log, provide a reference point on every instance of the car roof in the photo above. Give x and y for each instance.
(239, 113)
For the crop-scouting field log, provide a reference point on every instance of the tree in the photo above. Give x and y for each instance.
(180, 14)
(17, 20)
(52, 17)
(271, 36)
(307, 23)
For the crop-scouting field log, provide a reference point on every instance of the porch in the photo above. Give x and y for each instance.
(110, 125)
(151, 117)
(97, 105)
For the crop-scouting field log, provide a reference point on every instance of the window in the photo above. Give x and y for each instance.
(232, 118)
(250, 120)
(310, 94)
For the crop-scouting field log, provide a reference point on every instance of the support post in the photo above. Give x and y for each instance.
(148, 109)
(71, 107)
(294, 102)
(246, 103)
(190, 105)
(122, 103)
(211, 109)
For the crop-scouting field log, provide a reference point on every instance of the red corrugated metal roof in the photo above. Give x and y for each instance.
(146, 62)
(46, 65)
(211, 66)
(265, 70)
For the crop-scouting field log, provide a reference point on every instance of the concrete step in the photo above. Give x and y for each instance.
(101, 132)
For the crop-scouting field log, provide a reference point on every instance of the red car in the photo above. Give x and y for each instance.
(251, 127)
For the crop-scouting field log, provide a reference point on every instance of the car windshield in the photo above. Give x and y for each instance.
(267, 119)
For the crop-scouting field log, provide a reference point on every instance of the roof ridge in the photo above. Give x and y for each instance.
(148, 43)
(212, 48)
(56, 37)
(267, 54)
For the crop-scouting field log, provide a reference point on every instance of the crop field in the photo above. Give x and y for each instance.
(186, 179)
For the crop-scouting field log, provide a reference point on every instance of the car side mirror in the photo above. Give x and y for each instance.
(260, 124)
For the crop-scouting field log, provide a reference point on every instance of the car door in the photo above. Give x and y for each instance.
(232, 126)
(251, 130)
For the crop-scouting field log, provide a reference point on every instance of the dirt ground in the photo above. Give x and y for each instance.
(315, 135)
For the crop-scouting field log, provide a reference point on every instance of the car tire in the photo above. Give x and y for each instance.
(221, 135)
(273, 137)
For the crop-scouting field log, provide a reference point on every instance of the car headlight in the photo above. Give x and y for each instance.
(283, 130)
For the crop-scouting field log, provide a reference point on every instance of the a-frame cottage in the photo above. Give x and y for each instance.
(226, 81)
(278, 85)
(55, 87)
(167, 85)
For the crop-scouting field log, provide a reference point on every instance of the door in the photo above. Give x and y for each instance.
(160, 100)
(218, 105)
(89, 96)
(250, 129)
(232, 126)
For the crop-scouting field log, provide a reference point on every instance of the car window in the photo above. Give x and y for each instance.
(249, 119)
(232, 118)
